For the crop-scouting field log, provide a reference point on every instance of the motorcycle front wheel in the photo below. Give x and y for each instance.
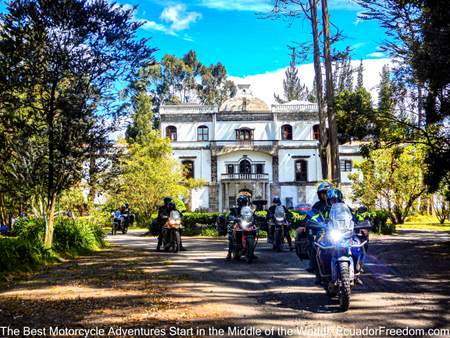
(344, 286)
(277, 242)
(176, 241)
(250, 249)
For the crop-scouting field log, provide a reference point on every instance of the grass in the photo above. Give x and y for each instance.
(424, 222)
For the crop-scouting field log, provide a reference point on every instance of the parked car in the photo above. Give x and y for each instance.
(303, 207)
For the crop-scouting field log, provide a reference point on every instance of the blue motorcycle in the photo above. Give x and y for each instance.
(340, 252)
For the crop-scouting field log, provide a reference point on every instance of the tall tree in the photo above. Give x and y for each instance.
(360, 76)
(293, 89)
(417, 39)
(68, 56)
(334, 173)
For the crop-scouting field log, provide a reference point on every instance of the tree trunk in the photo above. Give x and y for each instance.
(50, 222)
(334, 175)
(319, 88)
(92, 180)
(3, 212)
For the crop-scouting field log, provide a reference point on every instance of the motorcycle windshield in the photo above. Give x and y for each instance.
(341, 218)
(279, 213)
(246, 214)
(175, 215)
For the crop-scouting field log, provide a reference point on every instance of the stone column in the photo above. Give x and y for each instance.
(275, 181)
(214, 186)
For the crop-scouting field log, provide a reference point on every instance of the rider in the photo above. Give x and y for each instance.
(275, 203)
(241, 201)
(335, 196)
(163, 216)
(320, 209)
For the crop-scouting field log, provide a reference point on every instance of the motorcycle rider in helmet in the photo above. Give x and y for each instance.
(270, 214)
(163, 216)
(321, 209)
(241, 201)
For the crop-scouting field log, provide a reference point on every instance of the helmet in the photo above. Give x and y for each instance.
(324, 186)
(171, 205)
(335, 194)
(242, 201)
(126, 204)
(276, 200)
(167, 200)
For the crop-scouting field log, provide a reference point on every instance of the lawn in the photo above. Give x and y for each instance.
(421, 222)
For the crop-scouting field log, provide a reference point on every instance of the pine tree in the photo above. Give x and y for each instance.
(348, 75)
(385, 94)
(293, 89)
(360, 78)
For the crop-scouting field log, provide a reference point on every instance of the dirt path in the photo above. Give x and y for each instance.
(133, 286)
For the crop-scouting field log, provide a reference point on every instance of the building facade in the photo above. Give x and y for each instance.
(244, 145)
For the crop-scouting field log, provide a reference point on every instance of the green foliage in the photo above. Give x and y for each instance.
(194, 222)
(354, 115)
(379, 222)
(26, 250)
(391, 180)
(78, 236)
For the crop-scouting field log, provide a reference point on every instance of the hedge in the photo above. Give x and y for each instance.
(379, 222)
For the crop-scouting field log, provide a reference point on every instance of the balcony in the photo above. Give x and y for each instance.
(245, 177)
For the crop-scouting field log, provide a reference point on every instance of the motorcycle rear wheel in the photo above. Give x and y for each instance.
(344, 286)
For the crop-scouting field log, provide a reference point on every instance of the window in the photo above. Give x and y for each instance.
(245, 167)
(316, 132)
(188, 167)
(244, 134)
(202, 133)
(301, 171)
(171, 133)
(260, 168)
(346, 165)
(286, 132)
(230, 169)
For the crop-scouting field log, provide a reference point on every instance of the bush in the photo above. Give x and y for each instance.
(379, 221)
(77, 236)
(194, 222)
(26, 250)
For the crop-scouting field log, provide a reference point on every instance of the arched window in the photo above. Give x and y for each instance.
(245, 167)
(316, 132)
(301, 170)
(188, 168)
(202, 133)
(171, 133)
(244, 134)
(286, 132)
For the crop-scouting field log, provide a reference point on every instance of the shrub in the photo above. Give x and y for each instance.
(194, 222)
(379, 222)
(77, 236)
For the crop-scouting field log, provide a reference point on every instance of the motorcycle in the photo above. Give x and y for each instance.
(340, 253)
(171, 237)
(278, 223)
(301, 238)
(244, 235)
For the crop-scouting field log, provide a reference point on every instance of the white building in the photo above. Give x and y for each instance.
(244, 145)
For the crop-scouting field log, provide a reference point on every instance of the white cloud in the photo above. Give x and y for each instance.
(266, 84)
(376, 55)
(178, 17)
(349, 5)
(239, 5)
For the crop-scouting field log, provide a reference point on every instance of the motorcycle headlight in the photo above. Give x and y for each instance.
(245, 224)
(172, 222)
(336, 235)
(279, 219)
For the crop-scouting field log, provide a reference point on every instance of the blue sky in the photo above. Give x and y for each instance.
(231, 32)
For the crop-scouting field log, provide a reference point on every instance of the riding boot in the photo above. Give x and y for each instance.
(158, 247)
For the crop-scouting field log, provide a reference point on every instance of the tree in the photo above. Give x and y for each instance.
(417, 39)
(308, 9)
(293, 89)
(441, 205)
(147, 173)
(355, 116)
(391, 179)
(386, 103)
(215, 88)
(60, 95)
(360, 76)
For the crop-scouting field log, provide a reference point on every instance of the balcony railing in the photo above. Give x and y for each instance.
(246, 177)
